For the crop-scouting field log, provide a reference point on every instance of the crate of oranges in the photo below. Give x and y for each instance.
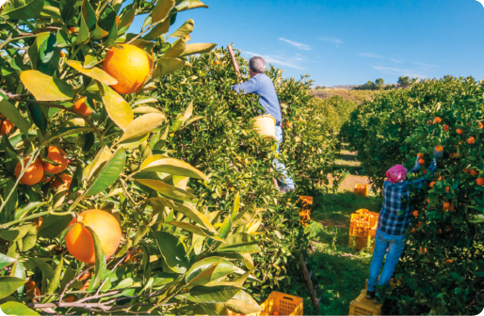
(305, 211)
(363, 229)
(279, 304)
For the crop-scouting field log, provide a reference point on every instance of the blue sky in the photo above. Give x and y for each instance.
(341, 42)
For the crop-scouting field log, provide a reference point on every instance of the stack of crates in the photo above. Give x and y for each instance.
(305, 212)
(363, 229)
(363, 306)
(278, 304)
(361, 189)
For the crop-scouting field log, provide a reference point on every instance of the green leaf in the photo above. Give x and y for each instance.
(14, 234)
(223, 268)
(178, 47)
(159, 29)
(161, 10)
(53, 225)
(38, 116)
(191, 212)
(29, 240)
(118, 109)
(84, 35)
(198, 48)
(6, 261)
(239, 242)
(236, 207)
(185, 29)
(46, 88)
(205, 275)
(22, 9)
(109, 173)
(194, 229)
(188, 112)
(44, 53)
(100, 265)
(175, 167)
(243, 303)
(167, 190)
(146, 110)
(167, 66)
(215, 294)
(16, 308)
(246, 216)
(173, 251)
(102, 156)
(66, 131)
(8, 285)
(127, 18)
(22, 211)
(183, 5)
(12, 113)
(54, 283)
(143, 125)
(95, 73)
(225, 228)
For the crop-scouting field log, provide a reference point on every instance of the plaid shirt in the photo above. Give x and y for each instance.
(396, 212)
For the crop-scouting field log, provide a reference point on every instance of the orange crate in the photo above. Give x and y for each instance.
(361, 189)
(284, 304)
(362, 306)
(306, 201)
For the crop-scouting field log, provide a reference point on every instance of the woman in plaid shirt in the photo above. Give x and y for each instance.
(394, 218)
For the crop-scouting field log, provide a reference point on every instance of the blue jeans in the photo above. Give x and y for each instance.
(287, 182)
(395, 245)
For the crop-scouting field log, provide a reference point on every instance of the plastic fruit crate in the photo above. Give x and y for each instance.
(362, 306)
(283, 304)
(361, 189)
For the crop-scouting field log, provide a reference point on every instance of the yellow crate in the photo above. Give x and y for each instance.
(281, 303)
(361, 189)
(362, 306)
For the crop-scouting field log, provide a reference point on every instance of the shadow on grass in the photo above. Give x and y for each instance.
(340, 271)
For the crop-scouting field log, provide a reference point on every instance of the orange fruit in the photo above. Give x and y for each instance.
(81, 107)
(447, 189)
(467, 170)
(471, 140)
(62, 54)
(85, 276)
(420, 155)
(448, 261)
(79, 241)
(421, 162)
(428, 200)
(130, 66)
(439, 148)
(424, 250)
(437, 120)
(32, 290)
(33, 174)
(432, 184)
(459, 131)
(445, 127)
(73, 29)
(65, 178)
(7, 126)
(481, 126)
(424, 172)
(85, 286)
(118, 20)
(70, 299)
(216, 63)
(58, 155)
(415, 213)
(474, 173)
(419, 224)
(446, 206)
(39, 222)
(480, 181)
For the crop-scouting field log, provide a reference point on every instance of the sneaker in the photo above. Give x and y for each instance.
(370, 295)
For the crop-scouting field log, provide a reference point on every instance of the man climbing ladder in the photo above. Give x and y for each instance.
(260, 84)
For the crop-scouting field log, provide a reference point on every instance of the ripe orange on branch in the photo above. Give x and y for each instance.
(480, 181)
(33, 174)
(7, 126)
(437, 120)
(129, 65)
(474, 173)
(58, 155)
(79, 240)
(459, 131)
(420, 155)
(445, 127)
(421, 162)
(471, 140)
(81, 107)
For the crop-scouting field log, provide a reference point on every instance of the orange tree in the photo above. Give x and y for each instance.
(94, 218)
(222, 144)
(441, 270)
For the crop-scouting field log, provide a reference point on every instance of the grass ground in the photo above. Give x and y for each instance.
(340, 271)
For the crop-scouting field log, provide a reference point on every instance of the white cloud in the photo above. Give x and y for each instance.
(297, 45)
(279, 60)
(298, 58)
(370, 55)
(396, 60)
(333, 40)
(425, 65)
(400, 72)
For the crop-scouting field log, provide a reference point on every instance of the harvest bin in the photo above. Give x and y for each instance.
(284, 304)
(361, 189)
(363, 229)
(265, 126)
(362, 306)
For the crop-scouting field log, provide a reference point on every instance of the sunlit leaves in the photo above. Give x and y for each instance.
(95, 73)
(198, 48)
(143, 125)
(109, 173)
(161, 10)
(118, 109)
(22, 9)
(46, 88)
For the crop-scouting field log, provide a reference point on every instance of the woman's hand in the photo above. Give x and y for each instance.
(431, 169)
(416, 168)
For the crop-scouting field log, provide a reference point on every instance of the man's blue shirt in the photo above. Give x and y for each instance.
(262, 85)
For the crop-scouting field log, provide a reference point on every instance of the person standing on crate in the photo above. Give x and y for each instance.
(393, 220)
(260, 84)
